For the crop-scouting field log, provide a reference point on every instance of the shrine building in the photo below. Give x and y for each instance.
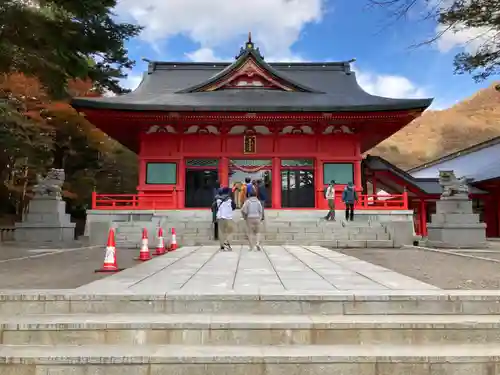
(296, 126)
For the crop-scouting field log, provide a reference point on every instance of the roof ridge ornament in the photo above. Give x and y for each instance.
(250, 47)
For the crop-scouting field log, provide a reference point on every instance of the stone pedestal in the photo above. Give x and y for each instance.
(454, 225)
(46, 221)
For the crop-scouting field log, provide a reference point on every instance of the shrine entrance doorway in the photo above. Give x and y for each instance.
(255, 169)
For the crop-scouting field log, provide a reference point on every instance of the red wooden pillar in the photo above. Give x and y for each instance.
(497, 218)
(180, 193)
(276, 183)
(374, 185)
(358, 180)
(423, 218)
(142, 172)
(491, 214)
(357, 176)
(319, 184)
(224, 171)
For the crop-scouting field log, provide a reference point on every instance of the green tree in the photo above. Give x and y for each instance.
(481, 16)
(60, 40)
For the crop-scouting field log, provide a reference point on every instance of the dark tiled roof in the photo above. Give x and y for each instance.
(426, 185)
(321, 87)
(463, 152)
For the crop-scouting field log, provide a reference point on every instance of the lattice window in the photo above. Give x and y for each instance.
(213, 163)
(309, 163)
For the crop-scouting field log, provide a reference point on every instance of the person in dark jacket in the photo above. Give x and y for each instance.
(262, 195)
(349, 197)
(218, 195)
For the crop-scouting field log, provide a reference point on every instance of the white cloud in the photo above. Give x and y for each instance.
(391, 86)
(275, 24)
(470, 39)
(205, 55)
(209, 55)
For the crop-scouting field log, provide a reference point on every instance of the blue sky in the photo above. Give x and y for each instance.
(306, 30)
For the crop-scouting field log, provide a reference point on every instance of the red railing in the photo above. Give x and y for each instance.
(165, 201)
(383, 202)
(168, 201)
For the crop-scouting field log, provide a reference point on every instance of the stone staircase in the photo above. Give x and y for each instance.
(428, 333)
(338, 234)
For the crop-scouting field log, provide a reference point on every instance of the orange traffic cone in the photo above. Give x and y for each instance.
(173, 243)
(144, 252)
(110, 264)
(160, 248)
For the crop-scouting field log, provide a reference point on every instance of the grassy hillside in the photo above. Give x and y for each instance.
(437, 133)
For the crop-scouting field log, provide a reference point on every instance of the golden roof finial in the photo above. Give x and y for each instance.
(249, 37)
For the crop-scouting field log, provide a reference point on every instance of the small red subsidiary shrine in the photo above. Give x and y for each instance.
(296, 126)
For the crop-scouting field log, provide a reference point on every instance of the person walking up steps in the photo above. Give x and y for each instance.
(224, 215)
(252, 212)
(330, 197)
(349, 197)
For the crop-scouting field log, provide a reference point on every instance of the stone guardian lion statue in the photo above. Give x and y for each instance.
(453, 186)
(50, 185)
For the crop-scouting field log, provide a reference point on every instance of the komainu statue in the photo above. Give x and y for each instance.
(50, 185)
(453, 186)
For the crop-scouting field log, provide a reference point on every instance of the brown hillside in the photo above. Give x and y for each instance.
(437, 133)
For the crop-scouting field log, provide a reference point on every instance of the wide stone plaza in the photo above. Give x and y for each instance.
(277, 269)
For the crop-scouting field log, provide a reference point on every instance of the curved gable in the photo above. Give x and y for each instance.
(249, 71)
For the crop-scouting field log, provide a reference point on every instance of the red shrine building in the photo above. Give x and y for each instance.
(296, 126)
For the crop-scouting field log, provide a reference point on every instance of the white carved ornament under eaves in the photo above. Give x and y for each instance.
(304, 129)
(338, 129)
(249, 130)
(196, 129)
(249, 76)
(161, 129)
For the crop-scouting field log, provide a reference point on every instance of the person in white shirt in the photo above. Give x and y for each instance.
(224, 215)
(330, 197)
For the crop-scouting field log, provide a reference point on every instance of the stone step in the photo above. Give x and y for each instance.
(250, 360)
(274, 224)
(332, 243)
(380, 302)
(271, 236)
(265, 228)
(209, 329)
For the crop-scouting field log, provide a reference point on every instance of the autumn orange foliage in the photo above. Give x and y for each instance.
(73, 143)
